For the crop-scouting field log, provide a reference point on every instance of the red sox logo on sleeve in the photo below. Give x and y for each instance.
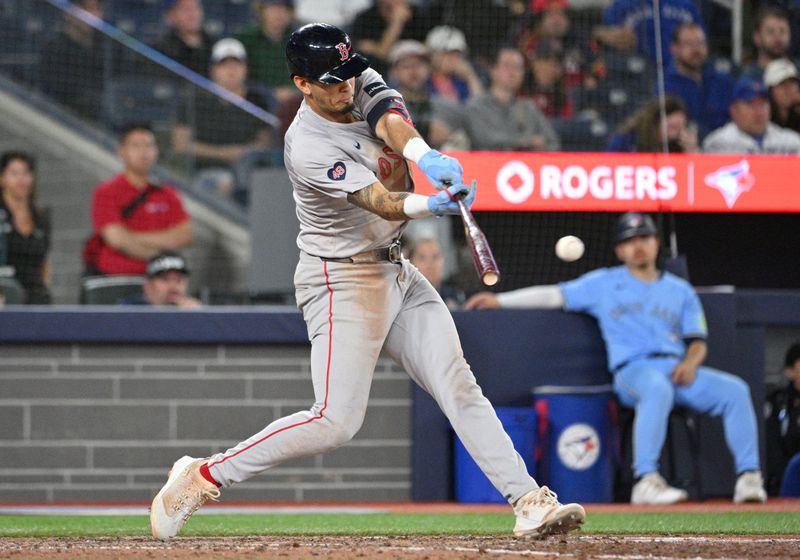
(337, 172)
(344, 50)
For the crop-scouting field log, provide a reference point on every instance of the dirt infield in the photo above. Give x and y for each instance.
(607, 547)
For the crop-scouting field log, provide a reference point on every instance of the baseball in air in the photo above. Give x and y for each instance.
(569, 248)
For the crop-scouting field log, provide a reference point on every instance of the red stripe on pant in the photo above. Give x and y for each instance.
(327, 378)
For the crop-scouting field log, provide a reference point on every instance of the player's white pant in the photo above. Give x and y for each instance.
(352, 311)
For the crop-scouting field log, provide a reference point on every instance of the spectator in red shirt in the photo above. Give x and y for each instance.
(133, 218)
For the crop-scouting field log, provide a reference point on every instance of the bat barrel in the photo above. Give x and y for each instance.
(482, 256)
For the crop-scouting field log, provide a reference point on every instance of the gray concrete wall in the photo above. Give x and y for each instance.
(105, 423)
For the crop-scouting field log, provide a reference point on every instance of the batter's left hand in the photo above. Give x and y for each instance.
(445, 202)
(684, 374)
(441, 170)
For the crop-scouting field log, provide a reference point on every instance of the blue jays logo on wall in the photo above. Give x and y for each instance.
(732, 181)
(337, 172)
(579, 447)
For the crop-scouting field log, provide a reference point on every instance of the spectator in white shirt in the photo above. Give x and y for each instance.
(750, 130)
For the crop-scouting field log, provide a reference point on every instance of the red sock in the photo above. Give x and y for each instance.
(207, 475)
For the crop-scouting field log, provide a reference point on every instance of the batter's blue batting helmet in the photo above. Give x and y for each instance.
(323, 53)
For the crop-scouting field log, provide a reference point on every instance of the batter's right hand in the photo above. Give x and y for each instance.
(441, 170)
(446, 201)
(482, 300)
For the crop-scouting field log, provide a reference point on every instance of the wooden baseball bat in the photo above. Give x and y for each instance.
(482, 255)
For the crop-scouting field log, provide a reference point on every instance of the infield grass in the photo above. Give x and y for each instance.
(744, 523)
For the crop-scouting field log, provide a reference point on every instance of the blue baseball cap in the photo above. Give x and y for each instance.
(747, 89)
(633, 224)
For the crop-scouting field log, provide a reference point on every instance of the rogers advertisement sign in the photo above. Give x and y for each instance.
(521, 181)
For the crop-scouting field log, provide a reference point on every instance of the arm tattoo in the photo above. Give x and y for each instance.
(376, 199)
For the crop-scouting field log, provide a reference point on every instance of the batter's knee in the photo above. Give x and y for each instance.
(340, 431)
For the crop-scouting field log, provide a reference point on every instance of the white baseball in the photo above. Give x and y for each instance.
(569, 248)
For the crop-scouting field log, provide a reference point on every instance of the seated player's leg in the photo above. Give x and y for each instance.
(424, 341)
(649, 391)
(722, 394)
(645, 385)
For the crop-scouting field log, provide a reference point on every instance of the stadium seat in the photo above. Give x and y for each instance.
(141, 19)
(215, 18)
(109, 290)
(153, 100)
(238, 16)
(583, 133)
(11, 290)
(790, 487)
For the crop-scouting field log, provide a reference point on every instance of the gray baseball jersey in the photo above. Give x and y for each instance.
(353, 311)
(327, 160)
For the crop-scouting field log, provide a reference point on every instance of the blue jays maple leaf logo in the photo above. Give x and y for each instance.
(732, 181)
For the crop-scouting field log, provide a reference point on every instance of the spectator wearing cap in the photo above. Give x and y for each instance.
(378, 28)
(453, 77)
(546, 84)
(185, 40)
(783, 83)
(265, 44)
(216, 133)
(629, 25)
(750, 130)
(772, 38)
(549, 22)
(166, 283)
(487, 23)
(435, 118)
(782, 420)
(501, 119)
(706, 92)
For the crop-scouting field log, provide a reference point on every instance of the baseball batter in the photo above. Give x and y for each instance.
(655, 329)
(346, 155)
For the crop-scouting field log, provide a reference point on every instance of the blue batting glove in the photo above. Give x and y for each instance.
(445, 202)
(441, 170)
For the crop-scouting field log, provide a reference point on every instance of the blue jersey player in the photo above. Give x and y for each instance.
(654, 329)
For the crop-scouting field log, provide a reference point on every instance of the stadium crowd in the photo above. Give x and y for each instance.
(541, 75)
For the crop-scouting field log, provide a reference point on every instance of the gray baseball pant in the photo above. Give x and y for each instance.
(352, 312)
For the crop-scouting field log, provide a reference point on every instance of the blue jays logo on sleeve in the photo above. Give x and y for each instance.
(337, 172)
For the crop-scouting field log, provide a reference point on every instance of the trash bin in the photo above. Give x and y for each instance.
(471, 484)
(576, 440)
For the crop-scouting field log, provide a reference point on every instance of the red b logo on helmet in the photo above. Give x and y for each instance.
(344, 50)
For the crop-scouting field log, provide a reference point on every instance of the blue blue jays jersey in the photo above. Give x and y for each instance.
(637, 318)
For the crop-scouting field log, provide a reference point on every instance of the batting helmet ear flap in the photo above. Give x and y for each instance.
(323, 53)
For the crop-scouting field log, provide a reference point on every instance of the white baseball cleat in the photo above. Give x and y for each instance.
(183, 494)
(653, 490)
(750, 488)
(539, 513)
